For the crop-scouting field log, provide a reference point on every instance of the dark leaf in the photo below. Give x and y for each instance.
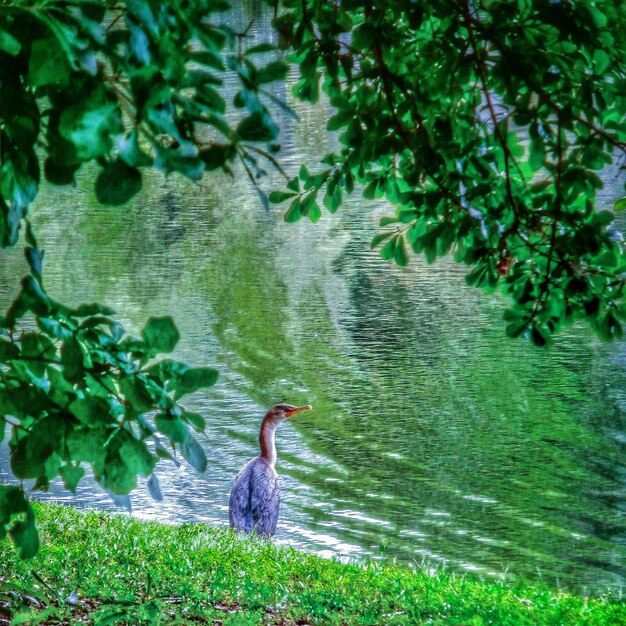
(71, 475)
(260, 48)
(48, 63)
(17, 519)
(194, 454)
(380, 238)
(117, 183)
(172, 427)
(276, 197)
(154, 488)
(135, 391)
(276, 70)
(194, 379)
(257, 127)
(72, 359)
(160, 334)
(216, 155)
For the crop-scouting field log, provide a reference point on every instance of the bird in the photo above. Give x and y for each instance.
(255, 496)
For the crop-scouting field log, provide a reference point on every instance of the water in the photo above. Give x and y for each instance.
(434, 438)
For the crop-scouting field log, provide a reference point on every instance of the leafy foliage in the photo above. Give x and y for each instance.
(80, 391)
(129, 85)
(431, 100)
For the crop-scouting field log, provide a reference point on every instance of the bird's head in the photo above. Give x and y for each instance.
(283, 411)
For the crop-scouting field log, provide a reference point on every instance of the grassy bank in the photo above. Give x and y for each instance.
(95, 568)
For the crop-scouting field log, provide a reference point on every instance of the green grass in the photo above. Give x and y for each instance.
(124, 570)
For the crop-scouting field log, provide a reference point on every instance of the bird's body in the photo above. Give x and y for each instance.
(255, 496)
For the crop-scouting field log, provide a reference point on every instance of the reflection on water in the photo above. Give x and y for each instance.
(433, 436)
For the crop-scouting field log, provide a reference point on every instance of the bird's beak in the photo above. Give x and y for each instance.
(306, 407)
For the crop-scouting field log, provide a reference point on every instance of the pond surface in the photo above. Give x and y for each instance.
(433, 437)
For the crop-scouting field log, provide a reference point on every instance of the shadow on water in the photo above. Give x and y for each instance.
(433, 436)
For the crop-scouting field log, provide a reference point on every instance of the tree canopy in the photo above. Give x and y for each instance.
(485, 124)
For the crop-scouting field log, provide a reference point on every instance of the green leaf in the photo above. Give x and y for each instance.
(294, 184)
(167, 369)
(400, 254)
(196, 420)
(256, 127)
(72, 359)
(275, 70)
(38, 348)
(540, 335)
(87, 310)
(126, 457)
(160, 334)
(61, 392)
(388, 251)
(90, 125)
(210, 97)
(25, 537)
(137, 456)
(59, 173)
(172, 427)
(516, 328)
(136, 393)
(206, 57)
(9, 44)
(314, 213)
(17, 519)
(601, 61)
(92, 410)
(293, 213)
(332, 200)
(260, 48)
(54, 328)
(48, 64)
(620, 205)
(10, 217)
(35, 455)
(216, 155)
(71, 475)
(185, 160)
(380, 238)
(537, 152)
(8, 351)
(339, 121)
(117, 183)
(303, 174)
(34, 258)
(597, 16)
(87, 444)
(194, 379)
(363, 36)
(276, 197)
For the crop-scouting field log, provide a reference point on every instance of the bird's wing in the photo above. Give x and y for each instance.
(239, 512)
(265, 501)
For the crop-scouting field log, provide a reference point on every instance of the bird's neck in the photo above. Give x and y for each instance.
(266, 442)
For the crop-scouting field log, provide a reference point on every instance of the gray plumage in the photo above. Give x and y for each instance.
(255, 496)
(255, 499)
